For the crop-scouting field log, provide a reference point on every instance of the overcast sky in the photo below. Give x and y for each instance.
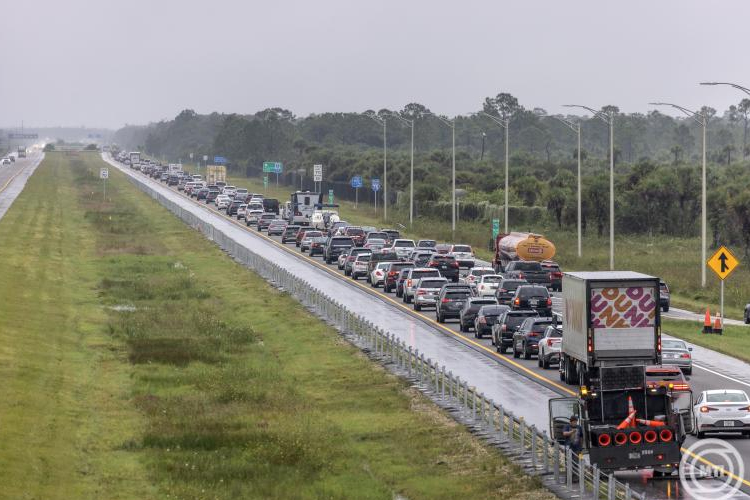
(107, 63)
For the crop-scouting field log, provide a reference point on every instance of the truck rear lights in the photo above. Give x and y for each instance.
(549, 302)
(666, 435)
(621, 438)
(635, 437)
(604, 440)
(517, 302)
(649, 436)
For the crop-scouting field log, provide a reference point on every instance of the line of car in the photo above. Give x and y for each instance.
(513, 308)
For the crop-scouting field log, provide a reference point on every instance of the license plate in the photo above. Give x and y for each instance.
(534, 303)
(728, 423)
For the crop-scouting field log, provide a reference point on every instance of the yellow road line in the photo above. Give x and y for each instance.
(7, 183)
(414, 313)
(718, 467)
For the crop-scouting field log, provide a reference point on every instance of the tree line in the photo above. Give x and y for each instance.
(657, 159)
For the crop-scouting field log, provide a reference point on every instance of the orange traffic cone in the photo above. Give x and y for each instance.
(628, 422)
(717, 325)
(707, 322)
(651, 423)
(631, 408)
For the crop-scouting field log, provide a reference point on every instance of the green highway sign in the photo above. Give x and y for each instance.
(495, 227)
(271, 167)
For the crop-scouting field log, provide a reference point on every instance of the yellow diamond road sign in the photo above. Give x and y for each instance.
(723, 263)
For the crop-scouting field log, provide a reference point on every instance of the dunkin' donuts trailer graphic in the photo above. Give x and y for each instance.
(631, 307)
(624, 321)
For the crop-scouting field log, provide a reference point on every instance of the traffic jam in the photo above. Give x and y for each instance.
(593, 337)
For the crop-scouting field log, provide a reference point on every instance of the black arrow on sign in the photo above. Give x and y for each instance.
(723, 259)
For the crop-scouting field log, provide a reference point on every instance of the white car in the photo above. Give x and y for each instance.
(464, 255)
(241, 211)
(5, 161)
(402, 247)
(222, 201)
(487, 284)
(240, 192)
(722, 410)
(475, 273)
(549, 346)
(377, 276)
(360, 264)
(251, 215)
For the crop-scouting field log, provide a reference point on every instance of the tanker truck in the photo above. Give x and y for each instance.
(515, 246)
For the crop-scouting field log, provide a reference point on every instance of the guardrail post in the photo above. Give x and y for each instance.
(534, 437)
(466, 395)
(628, 492)
(501, 421)
(611, 493)
(556, 460)
(491, 407)
(473, 403)
(442, 385)
(545, 451)
(595, 481)
(410, 360)
(522, 428)
(450, 385)
(581, 477)
(568, 468)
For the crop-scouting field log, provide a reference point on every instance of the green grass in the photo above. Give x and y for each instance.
(677, 260)
(140, 362)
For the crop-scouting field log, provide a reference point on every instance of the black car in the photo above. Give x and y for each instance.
(451, 301)
(469, 312)
(392, 274)
(535, 297)
(486, 317)
(200, 194)
(401, 279)
(233, 206)
(335, 246)
(507, 289)
(447, 266)
(290, 234)
(526, 338)
(393, 235)
(503, 329)
(211, 196)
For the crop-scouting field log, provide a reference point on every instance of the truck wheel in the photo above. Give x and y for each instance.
(539, 361)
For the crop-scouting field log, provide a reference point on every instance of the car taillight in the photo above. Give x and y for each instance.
(685, 355)
(520, 275)
(517, 302)
(445, 301)
(706, 409)
(549, 302)
(549, 342)
(421, 292)
(454, 264)
(482, 320)
(505, 328)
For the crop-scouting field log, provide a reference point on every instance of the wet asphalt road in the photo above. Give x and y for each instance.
(13, 178)
(711, 370)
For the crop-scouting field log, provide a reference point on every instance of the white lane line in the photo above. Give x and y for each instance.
(722, 375)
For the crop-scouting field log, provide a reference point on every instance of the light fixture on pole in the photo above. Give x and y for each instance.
(452, 125)
(382, 121)
(702, 120)
(505, 123)
(409, 123)
(609, 119)
(575, 127)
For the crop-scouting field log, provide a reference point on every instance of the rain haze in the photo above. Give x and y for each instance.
(109, 63)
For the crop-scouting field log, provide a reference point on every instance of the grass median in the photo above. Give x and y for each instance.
(140, 362)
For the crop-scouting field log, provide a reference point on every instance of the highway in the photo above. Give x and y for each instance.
(13, 178)
(711, 370)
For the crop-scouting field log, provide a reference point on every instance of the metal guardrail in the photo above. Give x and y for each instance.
(528, 446)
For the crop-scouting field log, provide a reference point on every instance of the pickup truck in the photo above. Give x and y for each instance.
(531, 271)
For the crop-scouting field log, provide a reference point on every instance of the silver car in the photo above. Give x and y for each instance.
(676, 352)
(426, 292)
(412, 278)
(549, 346)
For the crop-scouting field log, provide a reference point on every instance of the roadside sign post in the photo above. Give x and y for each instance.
(265, 182)
(356, 184)
(317, 176)
(104, 175)
(330, 196)
(722, 262)
(375, 184)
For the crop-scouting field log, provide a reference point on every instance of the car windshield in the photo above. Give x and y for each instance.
(431, 283)
(482, 272)
(363, 257)
(482, 302)
(539, 326)
(492, 279)
(514, 320)
(551, 267)
(462, 248)
(443, 259)
(426, 243)
(354, 231)
(726, 397)
(401, 266)
(375, 241)
(342, 242)
(313, 234)
(554, 333)
(381, 236)
(457, 294)
(673, 344)
(383, 265)
(425, 274)
(527, 266)
(404, 243)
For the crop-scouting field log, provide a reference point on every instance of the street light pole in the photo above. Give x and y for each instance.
(576, 127)
(385, 163)
(410, 123)
(609, 119)
(452, 125)
(702, 120)
(505, 123)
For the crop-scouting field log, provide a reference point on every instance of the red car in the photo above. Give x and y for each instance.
(555, 274)
(357, 234)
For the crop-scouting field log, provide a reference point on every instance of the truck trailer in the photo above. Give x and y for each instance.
(611, 334)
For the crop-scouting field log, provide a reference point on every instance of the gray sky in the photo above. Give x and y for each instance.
(106, 63)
